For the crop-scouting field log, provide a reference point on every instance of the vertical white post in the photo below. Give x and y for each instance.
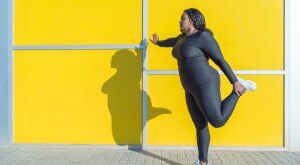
(144, 88)
(6, 20)
(294, 72)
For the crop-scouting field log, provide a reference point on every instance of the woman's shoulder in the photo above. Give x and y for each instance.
(206, 36)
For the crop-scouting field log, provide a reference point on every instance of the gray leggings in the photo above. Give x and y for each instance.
(201, 82)
(202, 92)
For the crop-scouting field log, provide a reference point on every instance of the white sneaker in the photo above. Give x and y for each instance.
(197, 162)
(249, 85)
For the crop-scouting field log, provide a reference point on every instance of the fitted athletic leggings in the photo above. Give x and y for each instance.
(201, 83)
(202, 92)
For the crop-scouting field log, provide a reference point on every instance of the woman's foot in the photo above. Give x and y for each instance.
(198, 162)
(248, 84)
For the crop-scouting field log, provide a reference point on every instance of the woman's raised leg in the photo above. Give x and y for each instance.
(208, 98)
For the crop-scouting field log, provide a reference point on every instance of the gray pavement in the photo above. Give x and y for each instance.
(91, 156)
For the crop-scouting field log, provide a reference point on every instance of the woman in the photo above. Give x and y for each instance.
(201, 82)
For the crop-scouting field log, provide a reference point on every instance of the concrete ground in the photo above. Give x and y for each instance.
(89, 156)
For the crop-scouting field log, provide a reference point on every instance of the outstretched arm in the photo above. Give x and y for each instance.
(170, 42)
(211, 48)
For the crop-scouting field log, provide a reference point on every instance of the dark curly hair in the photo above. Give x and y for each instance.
(198, 19)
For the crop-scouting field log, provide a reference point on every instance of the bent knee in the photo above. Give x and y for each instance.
(217, 124)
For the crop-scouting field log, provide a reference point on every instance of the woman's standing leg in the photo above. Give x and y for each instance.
(201, 124)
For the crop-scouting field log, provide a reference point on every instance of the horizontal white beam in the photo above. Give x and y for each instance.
(154, 147)
(76, 47)
(163, 72)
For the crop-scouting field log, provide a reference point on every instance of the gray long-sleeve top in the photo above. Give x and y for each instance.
(200, 44)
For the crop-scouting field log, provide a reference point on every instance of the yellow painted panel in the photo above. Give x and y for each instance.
(77, 96)
(64, 22)
(250, 32)
(256, 121)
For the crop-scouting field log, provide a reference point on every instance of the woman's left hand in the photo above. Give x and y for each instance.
(238, 88)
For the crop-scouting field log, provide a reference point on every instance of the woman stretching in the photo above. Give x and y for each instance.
(200, 81)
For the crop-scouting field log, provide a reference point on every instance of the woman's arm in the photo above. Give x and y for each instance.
(211, 48)
(170, 42)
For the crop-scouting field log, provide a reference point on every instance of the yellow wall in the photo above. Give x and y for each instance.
(249, 32)
(67, 22)
(95, 96)
(77, 96)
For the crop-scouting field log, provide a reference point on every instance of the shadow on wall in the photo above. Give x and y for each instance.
(124, 94)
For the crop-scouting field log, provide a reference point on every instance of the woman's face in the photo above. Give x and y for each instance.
(185, 23)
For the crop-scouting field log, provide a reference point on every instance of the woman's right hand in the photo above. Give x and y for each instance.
(238, 88)
(155, 38)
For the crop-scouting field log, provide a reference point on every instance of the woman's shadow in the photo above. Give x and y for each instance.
(124, 94)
